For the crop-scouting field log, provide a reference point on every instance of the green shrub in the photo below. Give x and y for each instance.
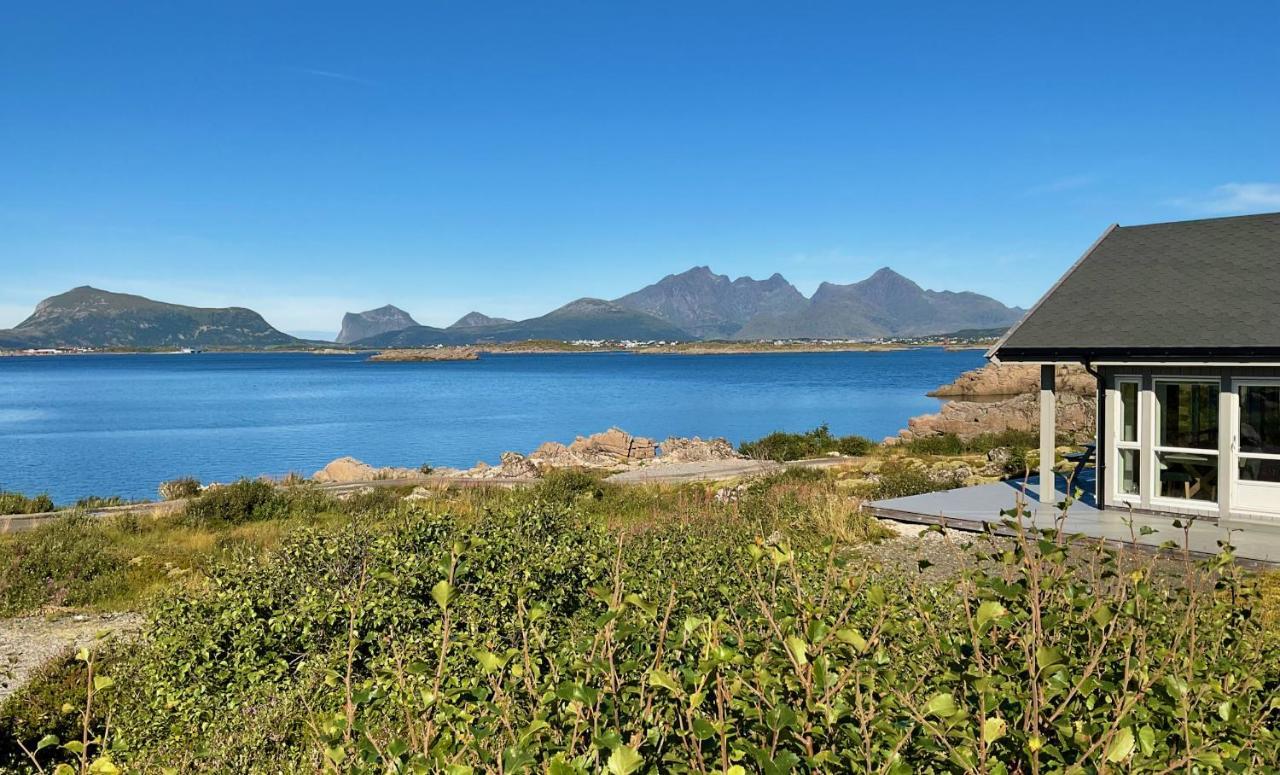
(248, 500)
(897, 479)
(62, 562)
(782, 446)
(17, 503)
(531, 640)
(177, 489)
(565, 485)
(951, 444)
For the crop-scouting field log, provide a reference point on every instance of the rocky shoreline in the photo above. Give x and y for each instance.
(613, 451)
(1005, 397)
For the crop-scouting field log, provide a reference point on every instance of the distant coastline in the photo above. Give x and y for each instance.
(530, 348)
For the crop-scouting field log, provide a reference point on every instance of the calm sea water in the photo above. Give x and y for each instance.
(120, 424)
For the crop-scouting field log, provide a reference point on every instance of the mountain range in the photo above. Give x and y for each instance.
(695, 304)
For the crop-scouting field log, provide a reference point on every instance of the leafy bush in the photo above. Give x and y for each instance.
(532, 640)
(177, 489)
(58, 563)
(248, 500)
(565, 485)
(898, 479)
(782, 446)
(17, 503)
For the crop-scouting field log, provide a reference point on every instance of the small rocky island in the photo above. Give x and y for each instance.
(426, 354)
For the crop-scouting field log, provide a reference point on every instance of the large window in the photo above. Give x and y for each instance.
(1128, 450)
(1259, 458)
(1186, 449)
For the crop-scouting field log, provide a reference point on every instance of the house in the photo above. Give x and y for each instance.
(1179, 323)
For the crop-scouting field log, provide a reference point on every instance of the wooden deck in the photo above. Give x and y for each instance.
(973, 508)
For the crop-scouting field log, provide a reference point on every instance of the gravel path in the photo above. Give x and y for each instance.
(943, 552)
(27, 642)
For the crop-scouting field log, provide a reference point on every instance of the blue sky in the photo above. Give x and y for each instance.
(306, 159)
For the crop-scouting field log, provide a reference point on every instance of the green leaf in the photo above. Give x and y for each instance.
(442, 593)
(664, 680)
(993, 729)
(490, 662)
(103, 766)
(624, 760)
(47, 741)
(853, 638)
(1047, 657)
(942, 705)
(102, 683)
(1147, 739)
(1121, 746)
(989, 610)
(459, 769)
(799, 649)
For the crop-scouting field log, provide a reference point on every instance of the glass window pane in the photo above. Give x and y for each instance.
(1260, 418)
(1188, 475)
(1128, 479)
(1128, 411)
(1188, 414)
(1256, 469)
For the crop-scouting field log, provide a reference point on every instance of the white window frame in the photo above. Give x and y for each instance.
(1118, 442)
(1153, 468)
(1236, 451)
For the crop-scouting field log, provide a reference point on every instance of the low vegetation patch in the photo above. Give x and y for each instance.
(951, 444)
(578, 626)
(782, 446)
(17, 503)
(534, 638)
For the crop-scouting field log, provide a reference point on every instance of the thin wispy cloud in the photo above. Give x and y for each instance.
(1059, 185)
(331, 75)
(1234, 198)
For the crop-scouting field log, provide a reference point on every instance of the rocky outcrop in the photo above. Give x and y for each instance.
(1011, 379)
(695, 450)
(513, 465)
(426, 354)
(1077, 417)
(611, 449)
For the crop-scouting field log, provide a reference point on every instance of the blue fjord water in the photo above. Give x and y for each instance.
(119, 424)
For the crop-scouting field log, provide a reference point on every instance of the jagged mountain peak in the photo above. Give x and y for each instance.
(384, 319)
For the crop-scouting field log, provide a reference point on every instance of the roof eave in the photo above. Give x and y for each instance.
(995, 352)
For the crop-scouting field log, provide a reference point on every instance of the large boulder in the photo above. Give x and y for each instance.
(346, 469)
(615, 443)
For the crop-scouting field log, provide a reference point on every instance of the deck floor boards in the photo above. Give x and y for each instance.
(971, 508)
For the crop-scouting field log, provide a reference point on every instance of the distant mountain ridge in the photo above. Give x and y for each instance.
(361, 325)
(695, 304)
(886, 304)
(586, 318)
(711, 306)
(90, 317)
(473, 319)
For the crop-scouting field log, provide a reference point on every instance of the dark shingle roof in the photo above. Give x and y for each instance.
(1202, 287)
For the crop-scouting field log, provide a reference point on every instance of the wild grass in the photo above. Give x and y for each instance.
(782, 446)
